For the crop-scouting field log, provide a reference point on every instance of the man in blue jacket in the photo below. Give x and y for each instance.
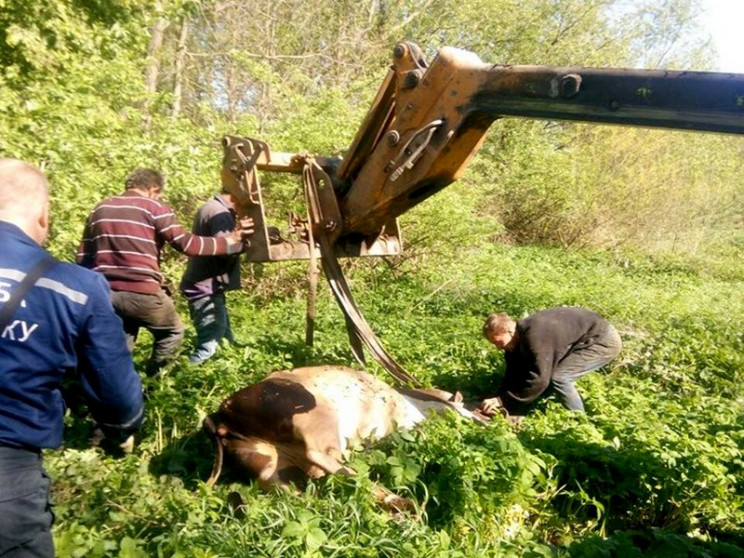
(62, 324)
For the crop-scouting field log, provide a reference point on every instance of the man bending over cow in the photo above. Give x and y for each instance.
(546, 353)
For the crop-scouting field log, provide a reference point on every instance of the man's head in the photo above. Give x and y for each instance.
(226, 195)
(148, 182)
(24, 198)
(501, 330)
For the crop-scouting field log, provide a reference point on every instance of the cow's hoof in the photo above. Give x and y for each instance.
(398, 505)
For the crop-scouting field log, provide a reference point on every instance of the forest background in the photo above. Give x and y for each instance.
(644, 226)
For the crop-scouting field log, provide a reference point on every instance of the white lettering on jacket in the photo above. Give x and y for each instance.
(23, 333)
(5, 293)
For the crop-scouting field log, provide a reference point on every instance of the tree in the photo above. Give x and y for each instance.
(153, 60)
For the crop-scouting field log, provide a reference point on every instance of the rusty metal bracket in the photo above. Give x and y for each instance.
(242, 161)
(249, 182)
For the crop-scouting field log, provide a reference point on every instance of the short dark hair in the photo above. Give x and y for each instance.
(144, 178)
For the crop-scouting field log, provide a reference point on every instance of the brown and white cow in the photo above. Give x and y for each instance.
(299, 423)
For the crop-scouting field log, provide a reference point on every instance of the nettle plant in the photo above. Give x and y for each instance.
(460, 472)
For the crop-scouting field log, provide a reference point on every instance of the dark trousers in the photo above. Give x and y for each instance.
(580, 362)
(157, 314)
(25, 511)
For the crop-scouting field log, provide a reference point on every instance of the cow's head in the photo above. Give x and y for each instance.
(271, 463)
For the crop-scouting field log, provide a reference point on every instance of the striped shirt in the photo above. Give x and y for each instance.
(125, 234)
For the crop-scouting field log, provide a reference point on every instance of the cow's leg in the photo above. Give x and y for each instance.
(391, 501)
(328, 463)
(319, 430)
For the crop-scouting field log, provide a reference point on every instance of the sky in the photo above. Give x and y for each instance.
(725, 21)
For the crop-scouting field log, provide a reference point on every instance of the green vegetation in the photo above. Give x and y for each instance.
(655, 468)
(644, 227)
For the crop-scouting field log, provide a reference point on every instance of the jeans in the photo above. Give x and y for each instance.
(157, 314)
(580, 362)
(25, 511)
(212, 324)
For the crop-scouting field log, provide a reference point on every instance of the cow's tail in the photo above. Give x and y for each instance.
(211, 429)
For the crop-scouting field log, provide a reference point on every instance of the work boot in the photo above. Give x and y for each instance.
(98, 439)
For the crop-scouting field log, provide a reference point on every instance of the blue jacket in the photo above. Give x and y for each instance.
(66, 322)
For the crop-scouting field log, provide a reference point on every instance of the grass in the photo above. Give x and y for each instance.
(655, 468)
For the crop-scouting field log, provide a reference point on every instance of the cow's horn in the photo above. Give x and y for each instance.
(211, 429)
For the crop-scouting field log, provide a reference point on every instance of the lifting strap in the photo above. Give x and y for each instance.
(359, 330)
(12, 304)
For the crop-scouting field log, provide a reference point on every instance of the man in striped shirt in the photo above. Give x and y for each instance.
(123, 239)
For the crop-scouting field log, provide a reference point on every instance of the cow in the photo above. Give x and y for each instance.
(297, 424)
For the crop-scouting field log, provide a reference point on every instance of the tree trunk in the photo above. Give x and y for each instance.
(153, 63)
(179, 70)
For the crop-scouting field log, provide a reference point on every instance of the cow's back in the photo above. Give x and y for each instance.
(364, 406)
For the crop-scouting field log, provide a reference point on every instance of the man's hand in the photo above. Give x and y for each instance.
(491, 406)
(127, 446)
(237, 240)
(111, 443)
(515, 421)
(246, 228)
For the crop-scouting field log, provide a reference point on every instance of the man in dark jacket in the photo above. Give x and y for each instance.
(546, 353)
(206, 279)
(56, 319)
(123, 239)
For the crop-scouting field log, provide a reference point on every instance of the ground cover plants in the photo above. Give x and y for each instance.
(654, 468)
(643, 226)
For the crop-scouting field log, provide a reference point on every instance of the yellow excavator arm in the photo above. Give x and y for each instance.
(426, 123)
